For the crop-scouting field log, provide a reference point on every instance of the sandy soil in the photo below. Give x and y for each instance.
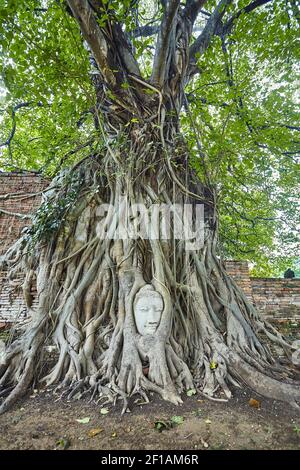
(38, 422)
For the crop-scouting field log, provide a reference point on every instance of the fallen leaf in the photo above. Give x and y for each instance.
(63, 443)
(114, 434)
(205, 444)
(104, 411)
(83, 420)
(177, 419)
(191, 392)
(254, 403)
(161, 425)
(94, 432)
(174, 421)
(208, 421)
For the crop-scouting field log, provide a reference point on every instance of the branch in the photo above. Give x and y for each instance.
(205, 13)
(92, 33)
(39, 10)
(150, 30)
(15, 214)
(20, 196)
(255, 4)
(125, 51)
(214, 26)
(193, 7)
(293, 128)
(69, 153)
(14, 126)
(160, 63)
(190, 97)
(203, 40)
(13, 115)
(107, 43)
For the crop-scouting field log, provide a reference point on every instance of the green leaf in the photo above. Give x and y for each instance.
(94, 432)
(191, 392)
(63, 443)
(83, 420)
(161, 425)
(296, 429)
(213, 365)
(177, 419)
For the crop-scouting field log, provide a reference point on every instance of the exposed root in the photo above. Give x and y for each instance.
(208, 336)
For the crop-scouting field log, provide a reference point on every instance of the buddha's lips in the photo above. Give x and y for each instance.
(151, 327)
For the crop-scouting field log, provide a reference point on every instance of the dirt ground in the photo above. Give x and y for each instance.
(42, 421)
(39, 422)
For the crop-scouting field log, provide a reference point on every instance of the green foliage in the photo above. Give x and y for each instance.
(42, 62)
(51, 214)
(162, 425)
(243, 104)
(296, 429)
(191, 392)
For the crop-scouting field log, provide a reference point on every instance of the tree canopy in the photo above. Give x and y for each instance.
(239, 115)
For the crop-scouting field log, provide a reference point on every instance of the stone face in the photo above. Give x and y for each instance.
(279, 298)
(148, 307)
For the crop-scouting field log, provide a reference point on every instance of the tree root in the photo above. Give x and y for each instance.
(208, 337)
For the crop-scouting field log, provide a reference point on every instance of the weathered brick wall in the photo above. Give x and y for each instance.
(278, 297)
(19, 187)
(239, 271)
(16, 196)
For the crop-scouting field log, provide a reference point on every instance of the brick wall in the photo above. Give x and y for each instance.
(239, 271)
(18, 187)
(278, 297)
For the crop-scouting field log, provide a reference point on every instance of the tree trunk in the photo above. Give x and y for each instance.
(206, 335)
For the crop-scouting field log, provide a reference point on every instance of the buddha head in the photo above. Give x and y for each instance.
(148, 307)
